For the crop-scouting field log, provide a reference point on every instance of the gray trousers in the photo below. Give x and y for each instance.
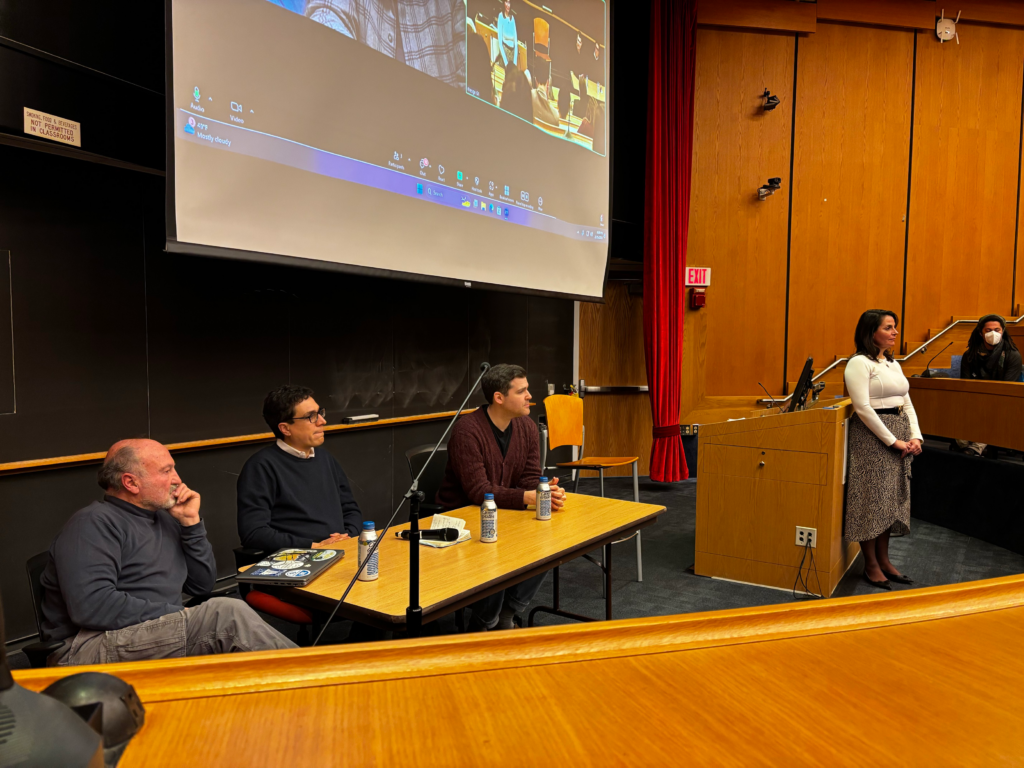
(220, 625)
(517, 598)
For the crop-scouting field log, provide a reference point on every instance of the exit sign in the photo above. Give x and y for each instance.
(699, 276)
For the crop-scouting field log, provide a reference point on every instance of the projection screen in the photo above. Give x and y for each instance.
(457, 141)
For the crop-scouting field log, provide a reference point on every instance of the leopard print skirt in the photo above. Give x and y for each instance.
(878, 481)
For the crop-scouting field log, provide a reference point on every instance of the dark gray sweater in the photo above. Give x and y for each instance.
(114, 565)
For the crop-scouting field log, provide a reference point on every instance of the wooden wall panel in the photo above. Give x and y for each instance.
(612, 354)
(780, 15)
(912, 14)
(612, 339)
(1009, 12)
(737, 340)
(852, 155)
(963, 206)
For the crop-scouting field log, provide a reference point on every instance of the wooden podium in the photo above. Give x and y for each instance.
(760, 478)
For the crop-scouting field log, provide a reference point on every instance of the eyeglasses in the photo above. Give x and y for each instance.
(312, 417)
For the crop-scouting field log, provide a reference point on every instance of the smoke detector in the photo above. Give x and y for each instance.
(945, 29)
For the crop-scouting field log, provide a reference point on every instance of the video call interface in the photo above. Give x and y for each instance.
(540, 66)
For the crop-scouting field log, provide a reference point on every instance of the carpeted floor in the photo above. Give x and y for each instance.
(930, 554)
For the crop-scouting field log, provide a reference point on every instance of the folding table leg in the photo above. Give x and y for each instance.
(608, 583)
(639, 552)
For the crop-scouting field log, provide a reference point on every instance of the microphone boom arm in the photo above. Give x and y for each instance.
(412, 495)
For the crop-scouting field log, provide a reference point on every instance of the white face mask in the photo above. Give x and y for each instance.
(993, 337)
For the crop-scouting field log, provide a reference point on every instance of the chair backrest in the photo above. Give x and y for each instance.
(954, 365)
(431, 480)
(541, 31)
(565, 420)
(34, 568)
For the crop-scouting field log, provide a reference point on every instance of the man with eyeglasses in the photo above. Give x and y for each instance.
(294, 493)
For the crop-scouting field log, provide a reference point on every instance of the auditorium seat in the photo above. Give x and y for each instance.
(38, 651)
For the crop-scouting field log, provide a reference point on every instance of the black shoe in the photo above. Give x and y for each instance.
(879, 584)
(898, 578)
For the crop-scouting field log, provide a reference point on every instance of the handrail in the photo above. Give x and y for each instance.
(922, 348)
(34, 465)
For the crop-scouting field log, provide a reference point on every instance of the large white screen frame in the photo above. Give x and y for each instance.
(291, 142)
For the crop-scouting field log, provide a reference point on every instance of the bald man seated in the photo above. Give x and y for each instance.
(116, 572)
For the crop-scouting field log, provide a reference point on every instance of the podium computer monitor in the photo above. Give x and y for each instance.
(803, 387)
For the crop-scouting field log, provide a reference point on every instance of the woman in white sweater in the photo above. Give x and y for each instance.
(884, 438)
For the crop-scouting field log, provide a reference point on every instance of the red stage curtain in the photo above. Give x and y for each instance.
(669, 143)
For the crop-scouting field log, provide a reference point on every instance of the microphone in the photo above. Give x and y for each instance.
(437, 534)
(927, 368)
(413, 489)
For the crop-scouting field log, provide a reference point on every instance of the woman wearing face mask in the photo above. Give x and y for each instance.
(991, 356)
(884, 438)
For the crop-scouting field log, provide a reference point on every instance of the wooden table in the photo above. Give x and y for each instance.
(773, 685)
(458, 576)
(990, 412)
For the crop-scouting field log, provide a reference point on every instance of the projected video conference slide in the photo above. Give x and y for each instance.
(462, 141)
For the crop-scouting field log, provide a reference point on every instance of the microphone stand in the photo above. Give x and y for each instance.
(928, 366)
(414, 612)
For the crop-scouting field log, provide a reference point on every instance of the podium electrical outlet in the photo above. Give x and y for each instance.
(806, 536)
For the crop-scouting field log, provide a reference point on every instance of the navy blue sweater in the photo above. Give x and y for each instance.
(285, 501)
(114, 565)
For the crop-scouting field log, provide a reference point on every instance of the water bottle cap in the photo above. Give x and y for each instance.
(489, 496)
(368, 525)
(543, 479)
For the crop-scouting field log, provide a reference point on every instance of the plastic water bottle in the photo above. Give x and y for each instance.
(488, 520)
(543, 500)
(366, 539)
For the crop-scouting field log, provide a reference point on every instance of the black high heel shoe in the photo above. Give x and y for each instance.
(879, 584)
(898, 578)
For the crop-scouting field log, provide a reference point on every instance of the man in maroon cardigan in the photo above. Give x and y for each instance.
(497, 450)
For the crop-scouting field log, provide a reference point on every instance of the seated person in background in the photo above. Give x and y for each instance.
(516, 95)
(541, 96)
(113, 582)
(497, 450)
(508, 39)
(480, 82)
(294, 493)
(991, 356)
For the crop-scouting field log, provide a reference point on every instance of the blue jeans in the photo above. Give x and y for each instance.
(518, 598)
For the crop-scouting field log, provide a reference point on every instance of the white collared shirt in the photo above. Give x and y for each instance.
(295, 451)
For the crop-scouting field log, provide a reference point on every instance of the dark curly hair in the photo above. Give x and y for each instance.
(280, 403)
(976, 342)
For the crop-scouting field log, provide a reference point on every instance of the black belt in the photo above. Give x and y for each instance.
(890, 411)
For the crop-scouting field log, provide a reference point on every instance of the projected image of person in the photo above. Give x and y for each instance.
(592, 124)
(508, 39)
(543, 112)
(480, 78)
(428, 35)
(517, 96)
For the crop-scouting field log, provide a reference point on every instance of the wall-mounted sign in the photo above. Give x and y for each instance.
(698, 276)
(52, 127)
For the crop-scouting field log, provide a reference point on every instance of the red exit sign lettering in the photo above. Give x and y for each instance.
(698, 276)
